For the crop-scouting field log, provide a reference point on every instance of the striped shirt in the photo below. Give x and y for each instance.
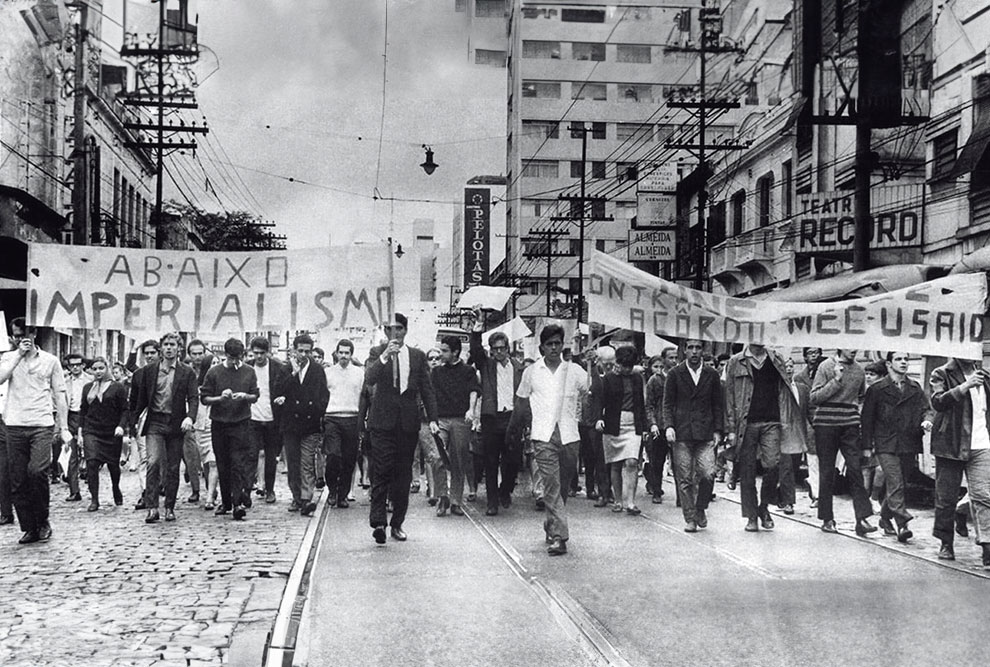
(837, 400)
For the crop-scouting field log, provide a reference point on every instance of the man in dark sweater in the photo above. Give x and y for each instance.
(230, 389)
(456, 387)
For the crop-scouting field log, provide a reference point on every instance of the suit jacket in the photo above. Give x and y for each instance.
(695, 412)
(488, 368)
(952, 432)
(305, 402)
(185, 394)
(891, 419)
(739, 391)
(393, 411)
(278, 373)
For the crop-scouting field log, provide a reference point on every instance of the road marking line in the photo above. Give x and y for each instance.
(725, 553)
(569, 614)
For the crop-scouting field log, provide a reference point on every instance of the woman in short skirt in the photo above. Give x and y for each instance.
(103, 415)
(623, 421)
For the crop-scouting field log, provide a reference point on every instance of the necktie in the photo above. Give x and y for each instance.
(395, 371)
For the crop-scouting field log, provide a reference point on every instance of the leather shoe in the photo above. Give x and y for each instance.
(701, 519)
(691, 527)
(863, 528)
(398, 534)
(343, 504)
(293, 506)
(29, 537)
(194, 498)
(239, 513)
(751, 525)
(788, 509)
(73, 498)
(152, 516)
(118, 497)
(731, 485)
(888, 527)
(829, 527)
(308, 509)
(601, 502)
(169, 514)
(505, 501)
(379, 534)
(656, 500)
(557, 548)
(443, 506)
(139, 505)
(220, 510)
(945, 552)
(904, 534)
(270, 497)
(6, 520)
(766, 521)
(93, 506)
(961, 529)
(456, 510)
(45, 532)
(986, 556)
(491, 511)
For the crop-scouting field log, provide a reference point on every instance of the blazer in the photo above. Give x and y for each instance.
(278, 373)
(654, 401)
(305, 402)
(390, 410)
(796, 434)
(695, 412)
(185, 394)
(952, 432)
(739, 391)
(488, 368)
(891, 419)
(612, 395)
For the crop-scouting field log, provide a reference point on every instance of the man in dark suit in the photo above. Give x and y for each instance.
(400, 378)
(303, 397)
(169, 392)
(500, 375)
(693, 413)
(265, 436)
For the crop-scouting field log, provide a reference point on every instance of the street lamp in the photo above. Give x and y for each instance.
(428, 165)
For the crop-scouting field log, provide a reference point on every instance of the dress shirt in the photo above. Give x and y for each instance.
(554, 399)
(980, 438)
(74, 389)
(695, 374)
(162, 400)
(345, 386)
(505, 375)
(403, 358)
(31, 389)
(261, 410)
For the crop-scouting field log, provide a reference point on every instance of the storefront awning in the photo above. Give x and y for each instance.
(974, 150)
(854, 285)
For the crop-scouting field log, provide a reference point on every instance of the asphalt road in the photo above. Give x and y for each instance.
(481, 590)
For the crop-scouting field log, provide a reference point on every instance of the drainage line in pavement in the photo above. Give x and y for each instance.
(281, 642)
(949, 565)
(573, 618)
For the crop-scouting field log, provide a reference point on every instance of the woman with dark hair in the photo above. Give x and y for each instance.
(103, 417)
(623, 421)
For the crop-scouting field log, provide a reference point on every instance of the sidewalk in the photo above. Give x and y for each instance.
(109, 589)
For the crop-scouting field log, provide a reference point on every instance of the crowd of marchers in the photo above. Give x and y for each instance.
(482, 417)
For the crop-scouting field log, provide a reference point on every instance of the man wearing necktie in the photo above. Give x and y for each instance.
(399, 377)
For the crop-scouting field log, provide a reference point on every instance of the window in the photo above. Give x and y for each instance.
(626, 171)
(764, 190)
(588, 51)
(539, 49)
(582, 15)
(635, 92)
(535, 248)
(625, 210)
(752, 98)
(598, 130)
(542, 89)
(944, 153)
(600, 245)
(597, 209)
(535, 207)
(541, 169)
(787, 194)
(489, 58)
(738, 204)
(598, 169)
(630, 53)
(545, 129)
(633, 132)
(577, 169)
(588, 91)
(716, 224)
(489, 8)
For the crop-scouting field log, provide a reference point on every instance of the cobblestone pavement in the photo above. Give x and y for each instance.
(108, 589)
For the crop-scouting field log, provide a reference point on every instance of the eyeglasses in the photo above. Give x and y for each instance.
(75, 364)
(433, 358)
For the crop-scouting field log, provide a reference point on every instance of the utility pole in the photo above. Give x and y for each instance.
(864, 163)
(549, 236)
(80, 173)
(710, 21)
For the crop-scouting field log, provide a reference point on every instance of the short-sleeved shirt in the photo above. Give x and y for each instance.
(554, 399)
(32, 388)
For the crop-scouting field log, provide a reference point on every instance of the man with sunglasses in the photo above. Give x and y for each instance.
(75, 380)
(500, 376)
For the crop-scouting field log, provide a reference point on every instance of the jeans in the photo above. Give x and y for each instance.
(828, 441)
(456, 433)
(75, 447)
(6, 503)
(233, 451)
(896, 468)
(787, 491)
(300, 459)
(761, 440)
(948, 478)
(164, 454)
(597, 475)
(555, 461)
(391, 459)
(190, 455)
(265, 438)
(694, 463)
(29, 450)
(500, 455)
(340, 445)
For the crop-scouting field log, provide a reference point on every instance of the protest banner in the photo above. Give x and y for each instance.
(338, 289)
(941, 317)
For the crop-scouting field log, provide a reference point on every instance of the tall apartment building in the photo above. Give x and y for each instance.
(608, 67)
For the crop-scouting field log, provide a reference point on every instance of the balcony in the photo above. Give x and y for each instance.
(749, 255)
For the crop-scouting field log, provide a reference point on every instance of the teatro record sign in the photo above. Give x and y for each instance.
(826, 221)
(652, 245)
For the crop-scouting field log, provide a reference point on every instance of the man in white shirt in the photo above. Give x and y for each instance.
(75, 380)
(265, 435)
(340, 423)
(35, 384)
(548, 400)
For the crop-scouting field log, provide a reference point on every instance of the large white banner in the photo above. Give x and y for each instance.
(321, 289)
(941, 317)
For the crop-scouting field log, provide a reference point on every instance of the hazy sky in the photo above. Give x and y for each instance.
(299, 81)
